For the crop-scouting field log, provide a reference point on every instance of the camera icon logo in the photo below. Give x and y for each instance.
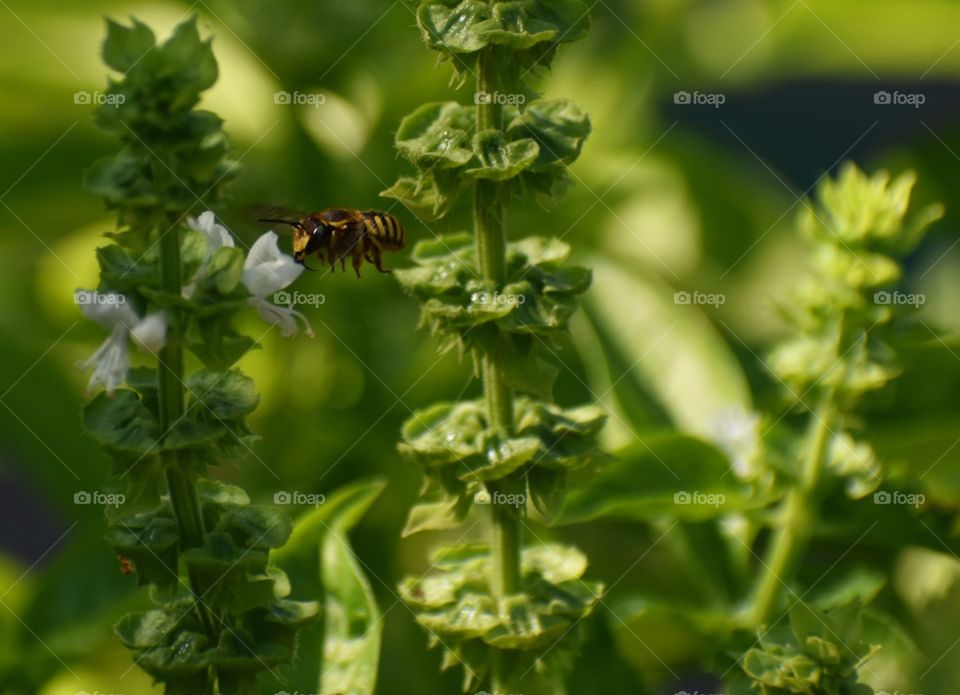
(681, 97)
(681, 497)
(681, 297)
(82, 97)
(482, 497)
(281, 97)
(281, 297)
(281, 497)
(882, 297)
(82, 497)
(881, 497)
(882, 97)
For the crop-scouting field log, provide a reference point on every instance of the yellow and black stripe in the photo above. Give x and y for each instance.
(385, 228)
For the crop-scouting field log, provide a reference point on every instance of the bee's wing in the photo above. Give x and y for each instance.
(276, 213)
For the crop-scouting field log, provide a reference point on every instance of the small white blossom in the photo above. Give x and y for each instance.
(736, 431)
(150, 335)
(217, 235)
(267, 270)
(111, 360)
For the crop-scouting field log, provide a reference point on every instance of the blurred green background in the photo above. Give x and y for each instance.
(667, 196)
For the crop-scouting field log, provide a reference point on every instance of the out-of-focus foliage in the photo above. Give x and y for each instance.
(664, 199)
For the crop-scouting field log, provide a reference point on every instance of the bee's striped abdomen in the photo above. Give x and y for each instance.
(386, 229)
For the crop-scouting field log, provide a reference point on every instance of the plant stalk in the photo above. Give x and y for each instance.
(181, 487)
(491, 240)
(791, 538)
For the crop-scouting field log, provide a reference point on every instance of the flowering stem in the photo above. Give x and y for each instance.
(181, 487)
(491, 240)
(790, 540)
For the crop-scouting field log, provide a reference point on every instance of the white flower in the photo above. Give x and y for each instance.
(267, 270)
(111, 360)
(736, 431)
(150, 335)
(216, 235)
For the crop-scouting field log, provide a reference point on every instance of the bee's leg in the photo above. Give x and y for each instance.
(357, 259)
(377, 259)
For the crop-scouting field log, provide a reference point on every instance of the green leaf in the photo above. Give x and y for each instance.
(223, 395)
(711, 386)
(120, 422)
(126, 271)
(513, 26)
(256, 526)
(669, 475)
(453, 603)
(437, 134)
(224, 270)
(499, 159)
(217, 344)
(429, 195)
(151, 540)
(125, 46)
(443, 503)
(453, 28)
(472, 25)
(559, 128)
(189, 434)
(299, 558)
(352, 627)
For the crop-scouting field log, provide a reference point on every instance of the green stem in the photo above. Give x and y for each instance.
(181, 487)
(491, 239)
(791, 538)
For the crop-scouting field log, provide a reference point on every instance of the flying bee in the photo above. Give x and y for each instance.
(335, 234)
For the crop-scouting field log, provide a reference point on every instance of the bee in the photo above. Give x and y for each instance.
(335, 234)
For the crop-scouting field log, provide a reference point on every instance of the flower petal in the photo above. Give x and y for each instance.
(106, 308)
(110, 362)
(217, 235)
(150, 335)
(284, 317)
(264, 250)
(266, 269)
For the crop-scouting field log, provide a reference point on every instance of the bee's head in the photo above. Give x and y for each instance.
(300, 241)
